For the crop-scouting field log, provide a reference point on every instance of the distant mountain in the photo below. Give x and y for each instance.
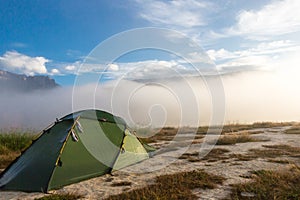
(22, 83)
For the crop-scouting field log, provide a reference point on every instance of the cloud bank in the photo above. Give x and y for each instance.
(249, 97)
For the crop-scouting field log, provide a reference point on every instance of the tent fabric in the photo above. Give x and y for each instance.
(132, 151)
(77, 147)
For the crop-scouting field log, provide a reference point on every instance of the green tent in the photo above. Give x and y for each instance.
(77, 147)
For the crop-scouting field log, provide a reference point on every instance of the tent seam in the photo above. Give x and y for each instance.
(61, 151)
(122, 143)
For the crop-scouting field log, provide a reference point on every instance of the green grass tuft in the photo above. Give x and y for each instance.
(15, 141)
(11, 144)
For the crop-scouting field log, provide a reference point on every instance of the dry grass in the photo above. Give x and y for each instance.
(122, 183)
(11, 145)
(173, 186)
(269, 185)
(202, 130)
(168, 133)
(233, 139)
(164, 134)
(271, 124)
(280, 161)
(191, 157)
(15, 141)
(148, 140)
(272, 153)
(66, 196)
(214, 155)
(254, 132)
(293, 130)
(243, 157)
(4, 150)
(6, 159)
(231, 128)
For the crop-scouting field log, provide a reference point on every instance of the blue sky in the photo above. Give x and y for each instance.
(53, 37)
(254, 45)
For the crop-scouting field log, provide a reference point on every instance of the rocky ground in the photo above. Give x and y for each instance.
(233, 162)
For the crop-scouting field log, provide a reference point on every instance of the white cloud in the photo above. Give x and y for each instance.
(55, 71)
(276, 18)
(16, 62)
(248, 63)
(264, 48)
(113, 67)
(197, 58)
(187, 13)
(264, 56)
(220, 54)
(154, 69)
(140, 70)
(70, 67)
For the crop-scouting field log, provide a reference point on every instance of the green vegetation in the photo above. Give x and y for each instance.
(11, 144)
(66, 196)
(173, 186)
(269, 185)
(15, 141)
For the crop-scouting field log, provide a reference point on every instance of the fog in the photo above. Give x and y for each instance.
(249, 97)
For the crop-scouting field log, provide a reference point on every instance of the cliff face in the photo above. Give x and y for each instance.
(11, 82)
